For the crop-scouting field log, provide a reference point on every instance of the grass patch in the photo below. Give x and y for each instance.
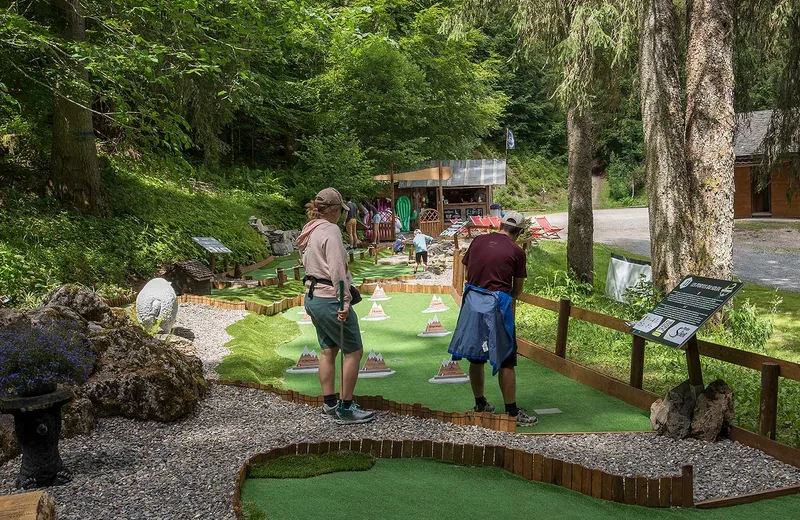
(264, 295)
(609, 351)
(253, 348)
(305, 466)
(429, 489)
(764, 225)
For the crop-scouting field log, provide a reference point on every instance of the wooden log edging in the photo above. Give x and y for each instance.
(497, 422)
(668, 491)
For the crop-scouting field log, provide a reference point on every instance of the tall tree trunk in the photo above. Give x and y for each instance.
(580, 238)
(662, 117)
(73, 161)
(709, 136)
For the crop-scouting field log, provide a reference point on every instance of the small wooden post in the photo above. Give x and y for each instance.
(637, 362)
(211, 262)
(297, 272)
(455, 240)
(280, 274)
(687, 479)
(361, 255)
(376, 255)
(693, 364)
(456, 265)
(352, 257)
(768, 411)
(563, 327)
(411, 252)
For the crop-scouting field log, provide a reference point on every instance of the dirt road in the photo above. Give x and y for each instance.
(768, 257)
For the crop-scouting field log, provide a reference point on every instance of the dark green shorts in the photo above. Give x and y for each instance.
(323, 315)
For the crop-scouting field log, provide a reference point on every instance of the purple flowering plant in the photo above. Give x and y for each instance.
(41, 355)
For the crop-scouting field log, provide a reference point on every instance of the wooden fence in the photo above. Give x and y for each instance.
(632, 392)
(670, 491)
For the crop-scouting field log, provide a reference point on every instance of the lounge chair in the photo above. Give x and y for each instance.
(548, 231)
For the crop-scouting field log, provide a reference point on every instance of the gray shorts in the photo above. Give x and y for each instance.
(323, 315)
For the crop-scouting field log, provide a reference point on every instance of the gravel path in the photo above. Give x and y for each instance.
(136, 470)
(205, 326)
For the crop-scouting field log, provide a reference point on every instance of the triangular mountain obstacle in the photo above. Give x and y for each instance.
(437, 305)
(375, 366)
(449, 372)
(305, 320)
(307, 364)
(434, 329)
(375, 314)
(378, 295)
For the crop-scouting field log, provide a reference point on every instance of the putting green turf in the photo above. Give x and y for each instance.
(416, 360)
(361, 269)
(429, 489)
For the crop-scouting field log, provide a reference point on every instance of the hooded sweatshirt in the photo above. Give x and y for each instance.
(325, 258)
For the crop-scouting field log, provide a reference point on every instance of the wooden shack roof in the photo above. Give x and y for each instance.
(197, 270)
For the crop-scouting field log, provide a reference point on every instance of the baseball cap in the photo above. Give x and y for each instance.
(514, 218)
(328, 199)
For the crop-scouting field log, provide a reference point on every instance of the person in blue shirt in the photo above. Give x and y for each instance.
(398, 244)
(421, 241)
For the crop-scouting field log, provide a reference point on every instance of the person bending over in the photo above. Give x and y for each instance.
(325, 261)
(421, 241)
(496, 269)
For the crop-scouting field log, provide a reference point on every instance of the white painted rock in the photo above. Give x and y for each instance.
(156, 303)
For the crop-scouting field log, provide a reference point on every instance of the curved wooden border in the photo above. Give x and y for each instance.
(667, 491)
(497, 422)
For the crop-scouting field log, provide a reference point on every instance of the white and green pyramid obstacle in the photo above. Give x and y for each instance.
(437, 305)
(305, 320)
(449, 372)
(434, 329)
(375, 314)
(307, 364)
(378, 295)
(375, 366)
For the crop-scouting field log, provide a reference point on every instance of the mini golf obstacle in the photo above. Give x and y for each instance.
(305, 320)
(437, 305)
(379, 295)
(375, 314)
(449, 372)
(434, 329)
(375, 366)
(307, 364)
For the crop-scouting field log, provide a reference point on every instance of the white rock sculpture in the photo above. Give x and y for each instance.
(157, 303)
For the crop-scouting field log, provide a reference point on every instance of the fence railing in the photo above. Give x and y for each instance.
(632, 392)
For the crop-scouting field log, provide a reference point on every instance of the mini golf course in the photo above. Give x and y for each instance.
(416, 360)
(427, 488)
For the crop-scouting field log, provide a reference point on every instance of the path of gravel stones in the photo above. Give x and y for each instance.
(136, 470)
(207, 325)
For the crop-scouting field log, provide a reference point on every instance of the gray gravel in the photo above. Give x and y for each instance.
(134, 470)
(207, 326)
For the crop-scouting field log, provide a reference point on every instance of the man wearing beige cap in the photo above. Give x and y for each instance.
(496, 270)
(325, 262)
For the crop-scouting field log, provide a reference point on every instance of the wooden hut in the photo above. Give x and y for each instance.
(749, 200)
(189, 277)
(444, 191)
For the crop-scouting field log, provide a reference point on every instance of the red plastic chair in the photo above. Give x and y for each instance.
(548, 231)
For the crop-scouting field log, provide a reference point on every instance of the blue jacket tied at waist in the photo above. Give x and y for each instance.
(485, 328)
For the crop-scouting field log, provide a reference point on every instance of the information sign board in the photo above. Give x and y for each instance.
(685, 309)
(452, 230)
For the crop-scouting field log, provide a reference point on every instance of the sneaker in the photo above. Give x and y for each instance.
(483, 408)
(525, 420)
(330, 411)
(352, 415)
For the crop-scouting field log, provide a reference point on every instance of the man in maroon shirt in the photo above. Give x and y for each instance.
(495, 265)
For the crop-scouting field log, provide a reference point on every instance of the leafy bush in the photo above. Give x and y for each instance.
(625, 179)
(43, 355)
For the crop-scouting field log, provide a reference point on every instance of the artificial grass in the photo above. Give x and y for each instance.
(253, 349)
(429, 489)
(418, 359)
(305, 466)
(264, 295)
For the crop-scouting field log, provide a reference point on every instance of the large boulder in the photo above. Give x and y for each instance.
(86, 303)
(140, 377)
(8, 443)
(672, 414)
(157, 303)
(713, 413)
(11, 319)
(281, 242)
(78, 418)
